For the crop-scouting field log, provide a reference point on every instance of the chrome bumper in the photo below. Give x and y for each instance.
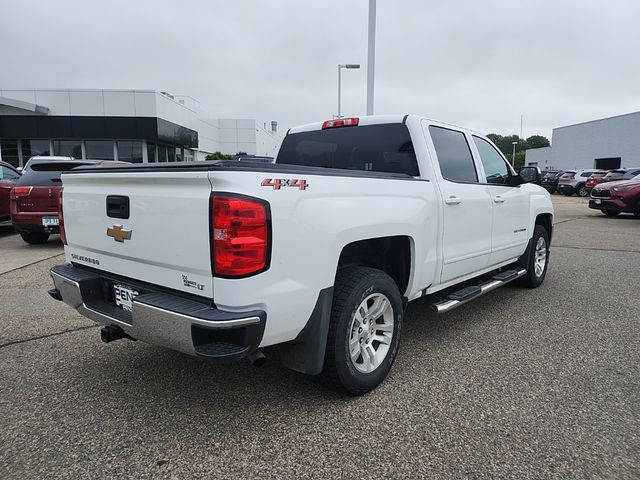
(161, 318)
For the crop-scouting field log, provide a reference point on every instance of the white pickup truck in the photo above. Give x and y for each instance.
(318, 253)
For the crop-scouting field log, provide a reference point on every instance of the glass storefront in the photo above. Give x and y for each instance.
(162, 153)
(68, 148)
(151, 152)
(130, 151)
(33, 148)
(9, 152)
(171, 154)
(99, 149)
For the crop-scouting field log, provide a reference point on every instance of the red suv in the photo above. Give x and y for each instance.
(614, 198)
(595, 179)
(34, 198)
(8, 177)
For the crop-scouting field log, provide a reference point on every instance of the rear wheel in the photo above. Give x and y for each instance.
(364, 332)
(35, 238)
(582, 191)
(611, 213)
(568, 191)
(538, 259)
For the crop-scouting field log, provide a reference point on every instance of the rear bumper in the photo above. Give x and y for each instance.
(30, 226)
(161, 318)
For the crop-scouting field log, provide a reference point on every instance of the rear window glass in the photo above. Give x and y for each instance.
(377, 148)
(43, 174)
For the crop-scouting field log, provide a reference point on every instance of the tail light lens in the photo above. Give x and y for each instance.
(21, 192)
(341, 122)
(240, 235)
(63, 233)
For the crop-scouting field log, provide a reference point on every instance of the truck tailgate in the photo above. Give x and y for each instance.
(168, 221)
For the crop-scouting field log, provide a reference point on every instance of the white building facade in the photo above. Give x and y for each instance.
(606, 143)
(137, 126)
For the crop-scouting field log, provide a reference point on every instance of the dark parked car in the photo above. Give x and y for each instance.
(8, 176)
(34, 198)
(620, 174)
(614, 198)
(550, 180)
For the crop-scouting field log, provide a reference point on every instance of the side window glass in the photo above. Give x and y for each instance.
(495, 168)
(7, 174)
(454, 155)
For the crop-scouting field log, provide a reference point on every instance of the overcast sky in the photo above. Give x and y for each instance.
(479, 64)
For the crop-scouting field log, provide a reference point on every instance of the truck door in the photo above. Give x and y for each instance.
(466, 204)
(510, 220)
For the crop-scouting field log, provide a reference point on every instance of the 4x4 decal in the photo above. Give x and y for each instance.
(278, 183)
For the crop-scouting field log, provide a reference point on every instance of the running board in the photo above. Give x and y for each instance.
(467, 294)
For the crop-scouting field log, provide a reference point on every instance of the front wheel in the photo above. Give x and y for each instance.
(611, 213)
(364, 331)
(538, 259)
(582, 191)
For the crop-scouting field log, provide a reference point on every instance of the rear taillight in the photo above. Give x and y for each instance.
(63, 234)
(21, 191)
(240, 235)
(341, 122)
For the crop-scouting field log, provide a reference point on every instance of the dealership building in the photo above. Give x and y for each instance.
(127, 125)
(606, 143)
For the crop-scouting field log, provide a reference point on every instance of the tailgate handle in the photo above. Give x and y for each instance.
(117, 206)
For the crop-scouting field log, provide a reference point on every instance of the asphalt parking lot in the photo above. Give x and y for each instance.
(518, 384)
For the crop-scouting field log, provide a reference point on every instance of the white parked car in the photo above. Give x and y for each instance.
(318, 253)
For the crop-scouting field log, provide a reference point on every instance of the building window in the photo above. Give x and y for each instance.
(162, 153)
(171, 154)
(188, 155)
(9, 152)
(33, 148)
(151, 152)
(179, 156)
(130, 152)
(67, 148)
(99, 149)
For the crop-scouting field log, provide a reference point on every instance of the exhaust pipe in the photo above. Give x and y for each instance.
(257, 358)
(111, 333)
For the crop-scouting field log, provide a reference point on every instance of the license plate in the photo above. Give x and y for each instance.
(50, 221)
(598, 201)
(124, 296)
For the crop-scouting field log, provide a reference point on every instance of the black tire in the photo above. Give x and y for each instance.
(568, 191)
(531, 279)
(353, 285)
(35, 238)
(611, 213)
(636, 211)
(582, 191)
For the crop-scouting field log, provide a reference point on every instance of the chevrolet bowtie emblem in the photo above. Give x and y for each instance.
(118, 234)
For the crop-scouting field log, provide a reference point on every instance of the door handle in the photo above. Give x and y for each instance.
(498, 199)
(452, 200)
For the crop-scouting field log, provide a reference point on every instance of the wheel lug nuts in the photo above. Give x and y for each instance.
(361, 340)
(360, 330)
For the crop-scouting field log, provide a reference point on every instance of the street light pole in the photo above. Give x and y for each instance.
(371, 55)
(513, 155)
(349, 66)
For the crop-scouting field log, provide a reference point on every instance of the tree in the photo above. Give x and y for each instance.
(218, 156)
(537, 141)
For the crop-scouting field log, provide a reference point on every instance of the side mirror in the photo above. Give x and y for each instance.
(530, 175)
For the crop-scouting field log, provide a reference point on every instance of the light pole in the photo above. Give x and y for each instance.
(371, 55)
(340, 67)
(513, 155)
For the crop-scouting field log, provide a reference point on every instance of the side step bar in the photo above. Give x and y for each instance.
(467, 294)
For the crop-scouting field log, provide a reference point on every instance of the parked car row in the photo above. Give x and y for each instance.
(582, 181)
(616, 197)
